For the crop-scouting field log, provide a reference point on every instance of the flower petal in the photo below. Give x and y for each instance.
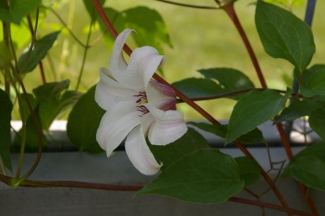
(108, 91)
(143, 64)
(161, 96)
(169, 126)
(116, 124)
(117, 63)
(139, 153)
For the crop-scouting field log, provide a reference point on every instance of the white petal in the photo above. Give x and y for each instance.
(143, 64)
(140, 154)
(116, 124)
(117, 63)
(108, 91)
(146, 121)
(168, 127)
(160, 95)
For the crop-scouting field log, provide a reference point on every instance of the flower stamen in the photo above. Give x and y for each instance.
(142, 99)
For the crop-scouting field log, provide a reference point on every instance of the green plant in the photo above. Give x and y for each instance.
(191, 170)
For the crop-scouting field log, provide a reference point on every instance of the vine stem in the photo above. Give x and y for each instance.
(17, 75)
(85, 52)
(33, 34)
(75, 184)
(188, 5)
(187, 100)
(230, 10)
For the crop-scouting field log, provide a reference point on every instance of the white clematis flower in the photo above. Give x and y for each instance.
(136, 106)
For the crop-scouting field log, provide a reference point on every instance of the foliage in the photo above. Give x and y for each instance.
(192, 171)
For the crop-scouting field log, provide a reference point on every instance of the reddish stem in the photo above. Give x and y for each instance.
(187, 100)
(73, 184)
(41, 68)
(38, 131)
(233, 16)
(229, 8)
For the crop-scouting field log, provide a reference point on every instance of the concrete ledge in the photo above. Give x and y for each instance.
(79, 166)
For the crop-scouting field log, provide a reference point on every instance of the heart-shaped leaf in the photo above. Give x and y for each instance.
(204, 176)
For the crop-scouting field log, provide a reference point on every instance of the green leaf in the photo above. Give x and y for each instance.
(197, 87)
(288, 3)
(228, 79)
(118, 22)
(317, 122)
(204, 176)
(29, 60)
(313, 81)
(315, 150)
(5, 118)
(252, 137)
(5, 55)
(249, 170)
(52, 102)
(253, 109)
(17, 10)
(149, 25)
(24, 109)
(310, 171)
(31, 135)
(83, 122)
(168, 154)
(91, 8)
(283, 35)
(297, 109)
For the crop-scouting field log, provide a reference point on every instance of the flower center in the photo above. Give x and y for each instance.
(141, 99)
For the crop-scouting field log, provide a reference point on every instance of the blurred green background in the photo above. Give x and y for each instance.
(201, 39)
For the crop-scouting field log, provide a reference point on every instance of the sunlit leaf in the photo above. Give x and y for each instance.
(17, 9)
(91, 9)
(52, 101)
(5, 55)
(149, 25)
(29, 60)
